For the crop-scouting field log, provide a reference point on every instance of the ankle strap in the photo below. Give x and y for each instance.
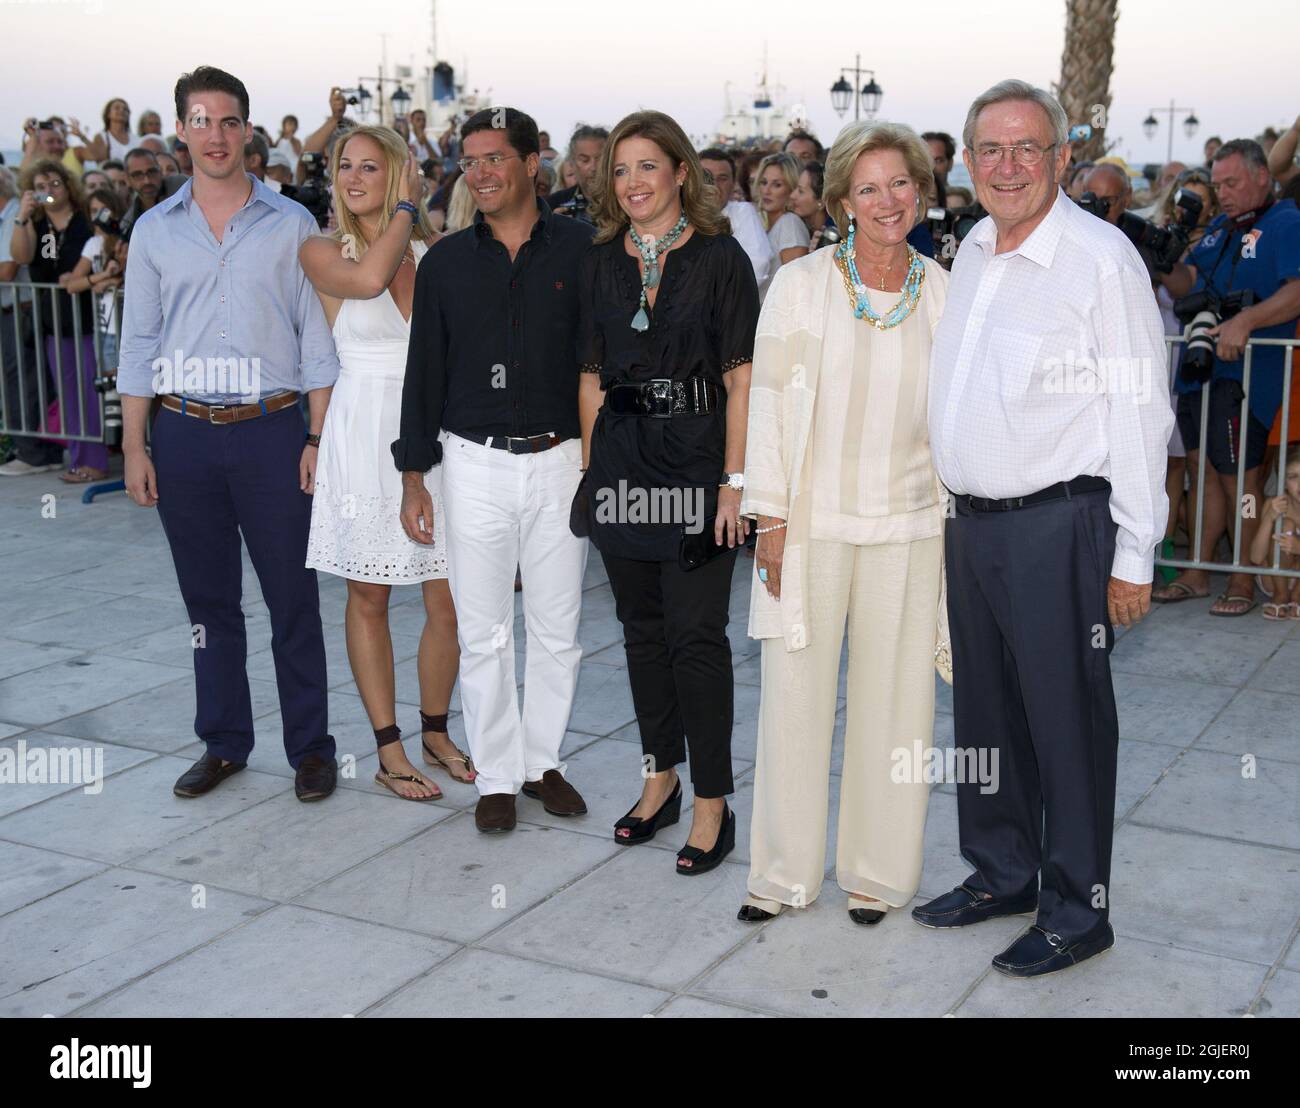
(433, 723)
(387, 735)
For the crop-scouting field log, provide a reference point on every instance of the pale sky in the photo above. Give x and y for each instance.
(569, 60)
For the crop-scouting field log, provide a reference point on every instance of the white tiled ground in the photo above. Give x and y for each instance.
(245, 902)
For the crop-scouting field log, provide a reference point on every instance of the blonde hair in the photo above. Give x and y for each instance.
(790, 169)
(665, 133)
(460, 208)
(865, 138)
(395, 153)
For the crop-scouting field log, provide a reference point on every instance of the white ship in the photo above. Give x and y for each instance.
(763, 117)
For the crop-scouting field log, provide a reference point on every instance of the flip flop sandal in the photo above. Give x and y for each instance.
(433, 759)
(80, 477)
(1294, 607)
(1249, 601)
(1276, 611)
(386, 778)
(1183, 591)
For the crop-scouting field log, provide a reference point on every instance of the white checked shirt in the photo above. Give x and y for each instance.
(1048, 364)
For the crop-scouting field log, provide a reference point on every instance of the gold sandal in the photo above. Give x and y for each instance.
(386, 777)
(432, 758)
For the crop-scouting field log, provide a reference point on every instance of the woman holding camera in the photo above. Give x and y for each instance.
(50, 215)
(669, 304)
(103, 261)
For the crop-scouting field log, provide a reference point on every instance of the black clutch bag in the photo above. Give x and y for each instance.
(580, 512)
(700, 549)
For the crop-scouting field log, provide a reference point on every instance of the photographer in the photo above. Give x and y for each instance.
(585, 148)
(1252, 247)
(321, 140)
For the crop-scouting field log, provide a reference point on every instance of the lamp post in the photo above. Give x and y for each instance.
(866, 100)
(1151, 124)
(398, 101)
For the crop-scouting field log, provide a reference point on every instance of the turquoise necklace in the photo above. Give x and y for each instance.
(857, 290)
(650, 252)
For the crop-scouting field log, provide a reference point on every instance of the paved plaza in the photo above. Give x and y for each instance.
(130, 902)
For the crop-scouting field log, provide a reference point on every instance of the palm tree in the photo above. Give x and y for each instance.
(1086, 65)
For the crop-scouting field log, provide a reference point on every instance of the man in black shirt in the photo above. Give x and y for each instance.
(491, 393)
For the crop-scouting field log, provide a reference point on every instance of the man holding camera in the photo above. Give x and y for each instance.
(585, 149)
(1252, 248)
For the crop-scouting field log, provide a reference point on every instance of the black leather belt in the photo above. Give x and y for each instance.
(532, 444)
(663, 398)
(1063, 490)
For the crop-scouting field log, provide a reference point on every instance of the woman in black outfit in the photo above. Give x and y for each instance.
(669, 311)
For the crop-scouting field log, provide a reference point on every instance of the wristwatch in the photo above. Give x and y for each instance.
(733, 481)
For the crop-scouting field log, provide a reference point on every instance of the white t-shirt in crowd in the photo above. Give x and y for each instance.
(117, 151)
(285, 146)
(105, 302)
(425, 150)
(787, 232)
(747, 229)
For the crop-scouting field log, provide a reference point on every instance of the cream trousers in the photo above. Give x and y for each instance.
(889, 596)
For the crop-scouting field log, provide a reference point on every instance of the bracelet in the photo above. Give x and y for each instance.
(407, 206)
(768, 530)
(313, 440)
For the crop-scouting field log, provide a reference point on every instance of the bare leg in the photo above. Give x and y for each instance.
(438, 663)
(370, 652)
(1198, 580)
(1241, 584)
(1174, 476)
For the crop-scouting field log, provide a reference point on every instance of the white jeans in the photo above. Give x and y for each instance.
(505, 510)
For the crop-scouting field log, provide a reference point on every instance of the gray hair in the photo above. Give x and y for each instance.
(8, 186)
(1251, 152)
(1013, 89)
(1110, 167)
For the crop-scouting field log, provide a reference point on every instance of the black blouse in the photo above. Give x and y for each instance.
(702, 325)
(47, 270)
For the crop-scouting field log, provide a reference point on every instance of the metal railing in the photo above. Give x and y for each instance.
(23, 318)
(1236, 565)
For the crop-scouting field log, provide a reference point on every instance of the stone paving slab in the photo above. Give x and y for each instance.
(117, 902)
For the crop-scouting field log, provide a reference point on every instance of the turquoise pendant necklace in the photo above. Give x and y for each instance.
(911, 293)
(650, 252)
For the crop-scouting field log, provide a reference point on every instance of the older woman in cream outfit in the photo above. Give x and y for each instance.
(849, 516)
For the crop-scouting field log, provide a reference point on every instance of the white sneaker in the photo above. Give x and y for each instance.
(18, 468)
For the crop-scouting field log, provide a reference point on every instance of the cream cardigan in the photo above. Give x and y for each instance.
(804, 316)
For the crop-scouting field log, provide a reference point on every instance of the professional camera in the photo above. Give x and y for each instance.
(957, 222)
(1199, 312)
(576, 205)
(314, 193)
(1163, 245)
(105, 222)
(106, 384)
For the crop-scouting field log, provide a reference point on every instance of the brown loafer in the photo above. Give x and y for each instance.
(204, 776)
(495, 813)
(316, 777)
(557, 796)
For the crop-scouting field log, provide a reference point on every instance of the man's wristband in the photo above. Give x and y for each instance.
(313, 440)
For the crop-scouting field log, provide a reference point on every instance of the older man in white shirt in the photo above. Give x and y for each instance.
(1049, 415)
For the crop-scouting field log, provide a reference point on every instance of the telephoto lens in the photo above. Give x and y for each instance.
(107, 385)
(1198, 357)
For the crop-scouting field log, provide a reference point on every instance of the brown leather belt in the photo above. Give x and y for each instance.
(228, 413)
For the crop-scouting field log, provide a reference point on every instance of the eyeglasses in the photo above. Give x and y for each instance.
(492, 161)
(1022, 153)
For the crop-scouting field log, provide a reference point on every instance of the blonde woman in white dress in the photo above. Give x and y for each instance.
(364, 275)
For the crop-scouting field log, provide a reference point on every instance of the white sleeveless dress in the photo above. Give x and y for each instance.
(356, 531)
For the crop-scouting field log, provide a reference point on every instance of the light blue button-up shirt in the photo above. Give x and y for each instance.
(222, 322)
(8, 215)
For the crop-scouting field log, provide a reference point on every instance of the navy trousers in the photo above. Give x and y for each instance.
(1031, 646)
(216, 482)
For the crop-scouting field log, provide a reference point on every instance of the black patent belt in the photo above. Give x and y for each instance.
(1062, 490)
(663, 398)
(530, 444)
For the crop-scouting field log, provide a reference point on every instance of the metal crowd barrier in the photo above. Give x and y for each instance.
(27, 367)
(1236, 566)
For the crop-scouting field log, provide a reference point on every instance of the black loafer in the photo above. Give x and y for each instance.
(1037, 951)
(204, 776)
(965, 906)
(316, 778)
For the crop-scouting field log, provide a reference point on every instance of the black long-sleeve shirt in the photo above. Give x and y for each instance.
(493, 342)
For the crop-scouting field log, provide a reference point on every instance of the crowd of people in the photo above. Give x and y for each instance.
(505, 359)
